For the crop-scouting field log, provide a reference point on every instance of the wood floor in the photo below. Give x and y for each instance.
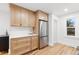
(57, 49)
(3, 53)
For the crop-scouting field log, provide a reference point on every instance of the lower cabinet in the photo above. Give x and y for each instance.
(34, 42)
(20, 45)
(23, 45)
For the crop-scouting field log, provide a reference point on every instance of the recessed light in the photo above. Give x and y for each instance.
(66, 10)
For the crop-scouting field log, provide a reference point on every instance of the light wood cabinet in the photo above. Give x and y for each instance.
(24, 17)
(31, 18)
(23, 45)
(21, 16)
(15, 15)
(20, 45)
(34, 42)
(35, 30)
(42, 15)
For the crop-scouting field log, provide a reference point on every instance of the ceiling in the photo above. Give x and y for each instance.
(55, 8)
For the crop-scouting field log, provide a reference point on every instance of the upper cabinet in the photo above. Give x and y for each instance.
(21, 16)
(24, 17)
(42, 15)
(31, 18)
(15, 15)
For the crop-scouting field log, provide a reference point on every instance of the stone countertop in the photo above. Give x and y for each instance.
(19, 35)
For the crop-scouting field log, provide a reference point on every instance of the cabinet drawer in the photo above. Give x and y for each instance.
(15, 40)
(21, 50)
(15, 46)
(21, 42)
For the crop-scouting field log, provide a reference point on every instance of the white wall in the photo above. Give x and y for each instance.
(61, 30)
(4, 18)
(52, 18)
(62, 36)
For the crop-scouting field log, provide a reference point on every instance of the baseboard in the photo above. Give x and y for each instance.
(68, 44)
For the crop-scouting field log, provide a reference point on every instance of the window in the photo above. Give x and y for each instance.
(71, 26)
(71, 31)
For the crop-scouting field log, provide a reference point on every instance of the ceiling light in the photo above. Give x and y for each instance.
(66, 10)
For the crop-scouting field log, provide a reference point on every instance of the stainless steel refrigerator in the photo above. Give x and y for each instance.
(43, 33)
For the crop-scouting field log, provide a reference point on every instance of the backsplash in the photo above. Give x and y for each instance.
(20, 30)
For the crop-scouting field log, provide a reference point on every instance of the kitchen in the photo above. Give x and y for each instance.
(39, 29)
(23, 30)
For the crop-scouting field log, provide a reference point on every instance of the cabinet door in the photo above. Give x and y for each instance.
(18, 16)
(24, 17)
(34, 42)
(13, 19)
(31, 19)
(42, 15)
(15, 15)
(20, 45)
